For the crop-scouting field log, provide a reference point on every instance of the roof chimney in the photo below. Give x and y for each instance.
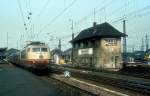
(94, 27)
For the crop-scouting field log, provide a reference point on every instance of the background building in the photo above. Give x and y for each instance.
(98, 47)
(57, 56)
(67, 55)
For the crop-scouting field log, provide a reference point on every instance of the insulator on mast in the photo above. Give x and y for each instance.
(30, 13)
(28, 17)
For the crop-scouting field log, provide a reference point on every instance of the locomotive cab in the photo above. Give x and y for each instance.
(35, 56)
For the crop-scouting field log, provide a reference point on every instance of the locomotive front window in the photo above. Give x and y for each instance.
(43, 49)
(36, 49)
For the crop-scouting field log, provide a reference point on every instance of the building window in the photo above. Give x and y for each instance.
(85, 44)
(111, 42)
(89, 44)
(73, 45)
(81, 45)
(95, 43)
(76, 45)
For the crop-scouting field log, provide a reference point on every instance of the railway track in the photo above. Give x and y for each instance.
(114, 80)
(134, 71)
(65, 89)
(138, 71)
(139, 75)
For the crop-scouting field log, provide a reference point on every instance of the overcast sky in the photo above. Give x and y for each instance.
(52, 19)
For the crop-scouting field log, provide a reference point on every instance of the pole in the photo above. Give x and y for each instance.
(72, 27)
(59, 46)
(142, 45)
(133, 49)
(124, 44)
(146, 42)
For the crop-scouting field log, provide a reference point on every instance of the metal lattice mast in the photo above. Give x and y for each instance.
(124, 42)
(146, 37)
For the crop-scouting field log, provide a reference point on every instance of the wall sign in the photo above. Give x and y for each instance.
(85, 51)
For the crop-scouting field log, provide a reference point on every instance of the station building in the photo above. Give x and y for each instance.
(98, 47)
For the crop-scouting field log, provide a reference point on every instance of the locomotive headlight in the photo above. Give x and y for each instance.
(41, 56)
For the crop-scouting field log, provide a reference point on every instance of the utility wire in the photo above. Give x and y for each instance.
(29, 4)
(137, 13)
(84, 18)
(107, 4)
(22, 15)
(100, 3)
(119, 9)
(96, 11)
(30, 31)
(23, 18)
(43, 8)
(90, 14)
(56, 17)
(131, 14)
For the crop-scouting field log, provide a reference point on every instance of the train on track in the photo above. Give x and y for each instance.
(35, 56)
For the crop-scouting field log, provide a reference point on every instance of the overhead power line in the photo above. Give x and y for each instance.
(96, 11)
(119, 9)
(131, 14)
(30, 5)
(27, 6)
(87, 16)
(22, 15)
(24, 23)
(56, 17)
(43, 8)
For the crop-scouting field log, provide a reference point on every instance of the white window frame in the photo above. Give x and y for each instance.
(111, 42)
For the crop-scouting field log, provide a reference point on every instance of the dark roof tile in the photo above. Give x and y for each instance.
(101, 30)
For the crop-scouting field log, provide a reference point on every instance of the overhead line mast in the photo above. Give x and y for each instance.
(142, 45)
(147, 45)
(124, 44)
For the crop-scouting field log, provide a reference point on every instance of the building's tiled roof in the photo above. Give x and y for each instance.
(101, 30)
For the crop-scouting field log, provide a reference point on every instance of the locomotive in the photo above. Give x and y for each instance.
(34, 56)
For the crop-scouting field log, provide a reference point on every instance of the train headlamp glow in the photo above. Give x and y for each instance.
(41, 56)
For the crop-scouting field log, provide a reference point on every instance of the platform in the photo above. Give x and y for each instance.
(18, 82)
